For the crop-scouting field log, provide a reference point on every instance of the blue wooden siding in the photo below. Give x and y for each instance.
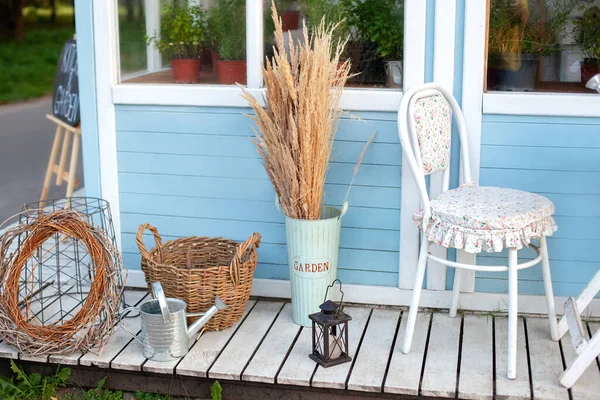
(193, 171)
(557, 157)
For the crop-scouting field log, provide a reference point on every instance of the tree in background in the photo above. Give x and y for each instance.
(11, 19)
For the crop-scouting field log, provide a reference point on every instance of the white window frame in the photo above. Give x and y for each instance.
(548, 104)
(354, 99)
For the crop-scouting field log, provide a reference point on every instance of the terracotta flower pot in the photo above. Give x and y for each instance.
(185, 70)
(231, 72)
(589, 68)
(289, 20)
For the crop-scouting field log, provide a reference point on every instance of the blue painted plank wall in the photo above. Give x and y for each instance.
(193, 171)
(557, 157)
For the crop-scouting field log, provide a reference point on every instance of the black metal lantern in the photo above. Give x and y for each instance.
(330, 332)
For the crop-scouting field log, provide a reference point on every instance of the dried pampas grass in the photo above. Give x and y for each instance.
(297, 127)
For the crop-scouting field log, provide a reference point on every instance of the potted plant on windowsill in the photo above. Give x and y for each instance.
(227, 19)
(588, 38)
(380, 22)
(290, 15)
(519, 34)
(182, 34)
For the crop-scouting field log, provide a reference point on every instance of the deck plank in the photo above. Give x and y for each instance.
(168, 367)
(371, 361)
(120, 338)
(208, 347)
(335, 378)
(404, 374)
(131, 297)
(439, 376)
(476, 380)
(587, 386)
(298, 368)
(270, 355)
(518, 388)
(231, 362)
(546, 361)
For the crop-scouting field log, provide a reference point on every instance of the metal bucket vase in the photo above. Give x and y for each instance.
(313, 247)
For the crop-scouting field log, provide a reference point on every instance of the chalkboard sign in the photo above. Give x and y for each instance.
(65, 98)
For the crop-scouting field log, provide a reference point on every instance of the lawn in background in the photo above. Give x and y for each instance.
(27, 68)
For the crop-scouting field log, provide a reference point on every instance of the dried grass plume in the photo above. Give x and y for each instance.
(297, 127)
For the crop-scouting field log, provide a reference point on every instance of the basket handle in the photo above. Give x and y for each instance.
(253, 242)
(139, 238)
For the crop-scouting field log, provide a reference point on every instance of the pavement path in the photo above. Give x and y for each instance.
(25, 142)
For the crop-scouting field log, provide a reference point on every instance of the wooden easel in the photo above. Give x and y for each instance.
(71, 134)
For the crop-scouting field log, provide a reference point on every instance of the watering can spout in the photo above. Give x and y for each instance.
(200, 322)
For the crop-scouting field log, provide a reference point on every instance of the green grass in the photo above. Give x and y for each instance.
(27, 68)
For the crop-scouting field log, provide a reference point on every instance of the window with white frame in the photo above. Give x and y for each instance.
(204, 41)
(543, 45)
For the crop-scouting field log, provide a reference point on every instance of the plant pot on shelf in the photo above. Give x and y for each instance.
(393, 73)
(231, 72)
(185, 70)
(313, 247)
(589, 68)
(289, 20)
(513, 72)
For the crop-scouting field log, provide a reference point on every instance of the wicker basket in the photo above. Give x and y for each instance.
(196, 269)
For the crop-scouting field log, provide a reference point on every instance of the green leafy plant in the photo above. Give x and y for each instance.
(100, 393)
(332, 12)
(380, 22)
(151, 396)
(183, 32)
(216, 391)
(32, 387)
(227, 24)
(587, 31)
(528, 26)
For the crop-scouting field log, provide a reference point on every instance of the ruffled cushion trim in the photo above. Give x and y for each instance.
(472, 240)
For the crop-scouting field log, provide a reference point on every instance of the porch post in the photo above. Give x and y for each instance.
(96, 24)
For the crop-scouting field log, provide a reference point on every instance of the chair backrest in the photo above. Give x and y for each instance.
(425, 129)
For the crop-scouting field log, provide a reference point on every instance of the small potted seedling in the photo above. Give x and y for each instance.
(182, 34)
(227, 19)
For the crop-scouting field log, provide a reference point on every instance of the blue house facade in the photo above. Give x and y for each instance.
(178, 157)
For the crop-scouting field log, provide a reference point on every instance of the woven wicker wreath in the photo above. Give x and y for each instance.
(94, 322)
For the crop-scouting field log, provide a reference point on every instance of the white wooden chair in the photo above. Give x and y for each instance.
(587, 350)
(470, 218)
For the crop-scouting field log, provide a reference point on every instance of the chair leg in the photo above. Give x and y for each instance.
(548, 289)
(513, 293)
(416, 295)
(455, 291)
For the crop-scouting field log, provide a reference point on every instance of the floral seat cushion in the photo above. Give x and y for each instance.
(484, 218)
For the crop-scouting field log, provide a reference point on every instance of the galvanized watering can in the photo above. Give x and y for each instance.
(165, 334)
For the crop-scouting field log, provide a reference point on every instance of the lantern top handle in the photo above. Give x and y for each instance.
(341, 291)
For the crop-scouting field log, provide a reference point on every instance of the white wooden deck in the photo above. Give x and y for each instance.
(463, 357)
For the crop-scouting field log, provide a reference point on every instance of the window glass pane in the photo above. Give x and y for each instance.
(374, 29)
(543, 45)
(182, 41)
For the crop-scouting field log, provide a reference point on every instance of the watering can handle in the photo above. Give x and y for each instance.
(122, 314)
